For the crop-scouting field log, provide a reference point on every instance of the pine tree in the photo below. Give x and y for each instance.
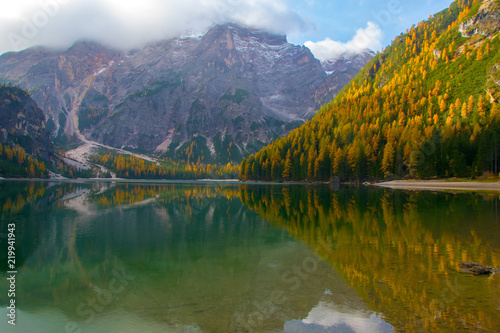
(464, 111)
(388, 160)
(8, 153)
(32, 170)
(21, 155)
(287, 172)
(337, 161)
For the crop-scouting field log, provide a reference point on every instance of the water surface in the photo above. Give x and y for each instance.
(110, 257)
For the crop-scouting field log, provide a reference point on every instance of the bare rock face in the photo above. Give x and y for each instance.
(476, 269)
(485, 23)
(217, 97)
(22, 123)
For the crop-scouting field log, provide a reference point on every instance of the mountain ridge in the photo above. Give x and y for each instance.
(227, 93)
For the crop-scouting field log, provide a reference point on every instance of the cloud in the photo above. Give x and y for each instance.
(365, 38)
(131, 23)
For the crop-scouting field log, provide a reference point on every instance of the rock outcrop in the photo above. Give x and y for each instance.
(23, 123)
(485, 23)
(470, 267)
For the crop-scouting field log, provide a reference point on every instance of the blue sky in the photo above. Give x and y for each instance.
(328, 27)
(339, 19)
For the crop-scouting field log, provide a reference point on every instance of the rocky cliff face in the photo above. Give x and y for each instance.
(23, 123)
(485, 23)
(481, 27)
(220, 96)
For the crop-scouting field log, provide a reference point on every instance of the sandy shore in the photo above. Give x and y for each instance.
(437, 185)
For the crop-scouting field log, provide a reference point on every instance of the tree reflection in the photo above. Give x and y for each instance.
(398, 249)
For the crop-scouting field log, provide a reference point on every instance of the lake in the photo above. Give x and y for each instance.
(188, 257)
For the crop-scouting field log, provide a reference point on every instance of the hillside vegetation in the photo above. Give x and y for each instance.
(132, 167)
(427, 106)
(25, 147)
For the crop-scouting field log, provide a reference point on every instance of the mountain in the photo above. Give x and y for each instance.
(218, 97)
(23, 123)
(347, 63)
(23, 136)
(425, 107)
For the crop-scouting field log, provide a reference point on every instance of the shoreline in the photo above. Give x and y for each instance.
(420, 185)
(120, 180)
(439, 185)
(138, 181)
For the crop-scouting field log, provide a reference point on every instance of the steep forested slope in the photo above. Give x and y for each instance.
(425, 107)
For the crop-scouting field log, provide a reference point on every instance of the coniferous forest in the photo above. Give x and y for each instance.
(426, 107)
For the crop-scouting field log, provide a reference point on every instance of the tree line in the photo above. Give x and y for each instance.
(15, 163)
(131, 166)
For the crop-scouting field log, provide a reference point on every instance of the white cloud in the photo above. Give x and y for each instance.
(132, 23)
(365, 38)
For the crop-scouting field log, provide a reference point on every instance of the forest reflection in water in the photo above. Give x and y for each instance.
(399, 249)
(201, 260)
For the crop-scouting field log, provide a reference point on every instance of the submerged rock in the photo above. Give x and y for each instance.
(476, 269)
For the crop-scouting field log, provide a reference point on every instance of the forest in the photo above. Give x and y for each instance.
(132, 167)
(15, 163)
(426, 107)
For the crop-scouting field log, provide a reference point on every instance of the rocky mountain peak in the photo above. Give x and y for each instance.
(87, 46)
(234, 37)
(221, 96)
(348, 62)
(259, 35)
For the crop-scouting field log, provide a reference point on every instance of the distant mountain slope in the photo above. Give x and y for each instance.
(425, 107)
(23, 137)
(221, 96)
(23, 123)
